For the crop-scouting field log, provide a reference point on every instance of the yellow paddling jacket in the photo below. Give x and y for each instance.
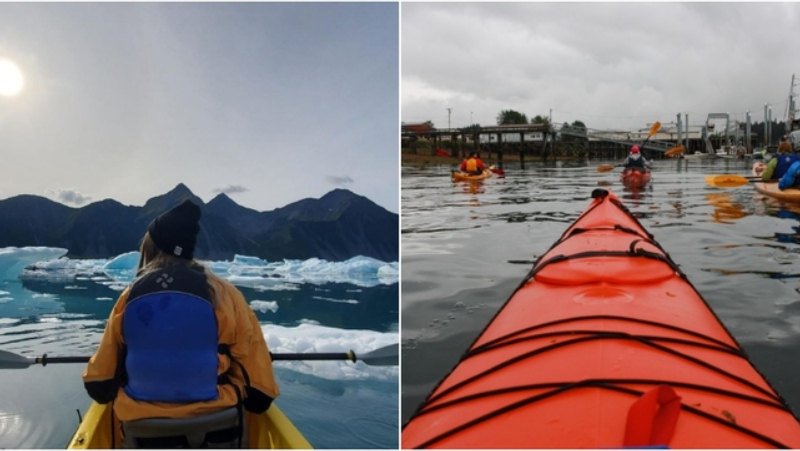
(238, 331)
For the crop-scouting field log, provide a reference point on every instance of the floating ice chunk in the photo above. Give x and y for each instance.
(341, 301)
(13, 260)
(122, 268)
(128, 260)
(310, 337)
(245, 260)
(263, 306)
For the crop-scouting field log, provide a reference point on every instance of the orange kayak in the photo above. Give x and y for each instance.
(605, 344)
(633, 178)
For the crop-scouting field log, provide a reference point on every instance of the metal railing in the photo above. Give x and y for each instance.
(617, 137)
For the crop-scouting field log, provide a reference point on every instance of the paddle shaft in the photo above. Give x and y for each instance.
(656, 126)
(385, 356)
(44, 360)
(316, 356)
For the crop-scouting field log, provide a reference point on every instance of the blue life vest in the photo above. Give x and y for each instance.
(170, 332)
(788, 179)
(784, 162)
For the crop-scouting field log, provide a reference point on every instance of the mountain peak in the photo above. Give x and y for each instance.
(223, 202)
(177, 195)
(180, 190)
(223, 199)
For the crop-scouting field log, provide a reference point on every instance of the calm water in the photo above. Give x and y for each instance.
(337, 405)
(466, 247)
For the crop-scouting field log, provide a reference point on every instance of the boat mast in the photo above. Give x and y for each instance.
(792, 122)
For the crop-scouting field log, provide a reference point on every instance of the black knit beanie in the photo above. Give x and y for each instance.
(175, 232)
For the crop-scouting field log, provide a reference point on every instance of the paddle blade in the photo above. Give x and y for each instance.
(677, 150)
(9, 360)
(656, 127)
(385, 356)
(605, 168)
(727, 180)
(442, 153)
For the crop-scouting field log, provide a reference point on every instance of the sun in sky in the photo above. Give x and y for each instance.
(11, 80)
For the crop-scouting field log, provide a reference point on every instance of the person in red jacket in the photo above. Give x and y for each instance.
(473, 165)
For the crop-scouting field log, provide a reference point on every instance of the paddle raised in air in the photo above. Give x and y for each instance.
(656, 126)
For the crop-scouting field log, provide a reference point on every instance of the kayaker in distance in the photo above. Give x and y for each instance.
(182, 349)
(635, 160)
(780, 163)
(473, 165)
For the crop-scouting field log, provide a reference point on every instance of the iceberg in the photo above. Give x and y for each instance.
(50, 264)
(13, 260)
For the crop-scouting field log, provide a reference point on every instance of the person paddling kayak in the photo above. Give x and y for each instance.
(183, 353)
(780, 163)
(473, 165)
(635, 160)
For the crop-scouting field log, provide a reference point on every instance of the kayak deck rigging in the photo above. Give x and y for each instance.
(604, 319)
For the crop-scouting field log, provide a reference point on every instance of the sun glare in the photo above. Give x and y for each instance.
(11, 80)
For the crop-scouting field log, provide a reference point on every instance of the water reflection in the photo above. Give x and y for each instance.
(783, 210)
(725, 209)
(339, 305)
(471, 186)
(635, 197)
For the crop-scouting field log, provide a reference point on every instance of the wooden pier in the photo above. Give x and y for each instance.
(538, 142)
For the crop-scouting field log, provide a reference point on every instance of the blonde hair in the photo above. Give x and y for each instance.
(151, 258)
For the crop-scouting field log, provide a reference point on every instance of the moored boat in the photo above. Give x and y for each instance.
(634, 178)
(270, 430)
(771, 189)
(605, 344)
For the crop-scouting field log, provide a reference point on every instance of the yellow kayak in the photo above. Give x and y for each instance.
(270, 430)
(459, 176)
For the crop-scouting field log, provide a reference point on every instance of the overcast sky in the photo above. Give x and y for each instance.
(609, 65)
(269, 102)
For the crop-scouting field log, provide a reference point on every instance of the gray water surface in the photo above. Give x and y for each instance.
(466, 247)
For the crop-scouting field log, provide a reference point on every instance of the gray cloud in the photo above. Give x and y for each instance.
(231, 189)
(340, 181)
(610, 65)
(69, 196)
(203, 94)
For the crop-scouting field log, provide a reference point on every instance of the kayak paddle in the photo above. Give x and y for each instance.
(653, 129)
(677, 150)
(385, 356)
(497, 171)
(733, 180)
(656, 126)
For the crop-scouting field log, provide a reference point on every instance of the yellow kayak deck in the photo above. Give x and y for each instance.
(270, 430)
